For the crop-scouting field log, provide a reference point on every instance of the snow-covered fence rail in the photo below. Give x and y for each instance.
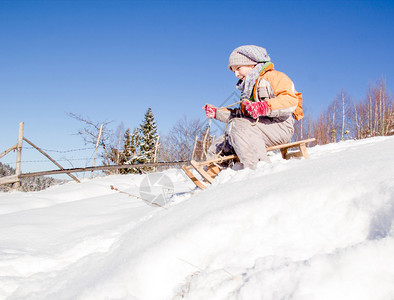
(9, 179)
(101, 168)
(16, 178)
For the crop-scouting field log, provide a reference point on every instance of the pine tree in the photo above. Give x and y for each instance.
(127, 152)
(131, 153)
(138, 147)
(149, 135)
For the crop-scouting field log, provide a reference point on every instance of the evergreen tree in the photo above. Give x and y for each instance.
(149, 135)
(130, 154)
(138, 147)
(127, 152)
(132, 151)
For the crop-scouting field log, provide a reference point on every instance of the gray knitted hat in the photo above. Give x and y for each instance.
(247, 55)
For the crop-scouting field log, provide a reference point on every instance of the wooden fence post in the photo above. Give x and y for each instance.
(194, 147)
(95, 151)
(18, 156)
(155, 155)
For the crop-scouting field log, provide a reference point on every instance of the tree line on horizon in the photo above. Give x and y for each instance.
(346, 119)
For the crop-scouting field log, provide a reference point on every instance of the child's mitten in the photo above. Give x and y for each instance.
(256, 109)
(210, 111)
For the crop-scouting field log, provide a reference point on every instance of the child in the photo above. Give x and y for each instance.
(267, 111)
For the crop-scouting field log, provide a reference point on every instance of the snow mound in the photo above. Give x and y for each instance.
(320, 228)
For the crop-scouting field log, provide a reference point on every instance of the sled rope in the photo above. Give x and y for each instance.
(222, 107)
(205, 139)
(138, 197)
(225, 129)
(232, 104)
(225, 139)
(197, 267)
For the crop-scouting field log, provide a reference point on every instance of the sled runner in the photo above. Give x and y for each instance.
(209, 169)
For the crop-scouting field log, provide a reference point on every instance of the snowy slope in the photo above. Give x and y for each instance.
(320, 228)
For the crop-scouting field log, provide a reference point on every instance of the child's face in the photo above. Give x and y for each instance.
(241, 71)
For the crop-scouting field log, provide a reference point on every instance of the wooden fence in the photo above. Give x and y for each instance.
(15, 179)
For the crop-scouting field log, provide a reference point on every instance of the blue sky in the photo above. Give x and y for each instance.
(111, 60)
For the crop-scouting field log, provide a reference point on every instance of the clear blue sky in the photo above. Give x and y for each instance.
(111, 60)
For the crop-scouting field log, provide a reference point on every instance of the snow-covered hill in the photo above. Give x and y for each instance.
(320, 228)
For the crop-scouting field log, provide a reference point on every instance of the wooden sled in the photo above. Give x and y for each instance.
(209, 169)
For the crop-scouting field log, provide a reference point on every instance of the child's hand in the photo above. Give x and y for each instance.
(210, 111)
(256, 109)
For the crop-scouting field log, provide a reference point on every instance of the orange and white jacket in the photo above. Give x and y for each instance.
(278, 91)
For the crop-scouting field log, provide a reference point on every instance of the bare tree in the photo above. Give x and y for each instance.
(321, 129)
(337, 119)
(303, 128)
(90, 132)
(344, 119)
(178, 144)
(331, 116)
(117, 142)
(345, 112)
(390, 125)
(374, 115)
(383, 107)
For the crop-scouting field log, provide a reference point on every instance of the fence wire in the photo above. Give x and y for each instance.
(59, 159)
(59, 151)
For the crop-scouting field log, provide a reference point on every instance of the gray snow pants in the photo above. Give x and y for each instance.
(249, 141)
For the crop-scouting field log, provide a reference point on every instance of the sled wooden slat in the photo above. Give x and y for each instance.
(290, 145)
(218, 159)
(301, 145)
(304, 151)
(201, 171)
(197, 182)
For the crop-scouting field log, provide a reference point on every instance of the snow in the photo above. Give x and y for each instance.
(320, 228)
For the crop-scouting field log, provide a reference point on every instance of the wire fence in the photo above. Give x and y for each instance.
(62, 158)
(83, 157)
(60, 151)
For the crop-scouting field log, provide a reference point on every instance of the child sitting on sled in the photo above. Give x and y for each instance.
(266, 114)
